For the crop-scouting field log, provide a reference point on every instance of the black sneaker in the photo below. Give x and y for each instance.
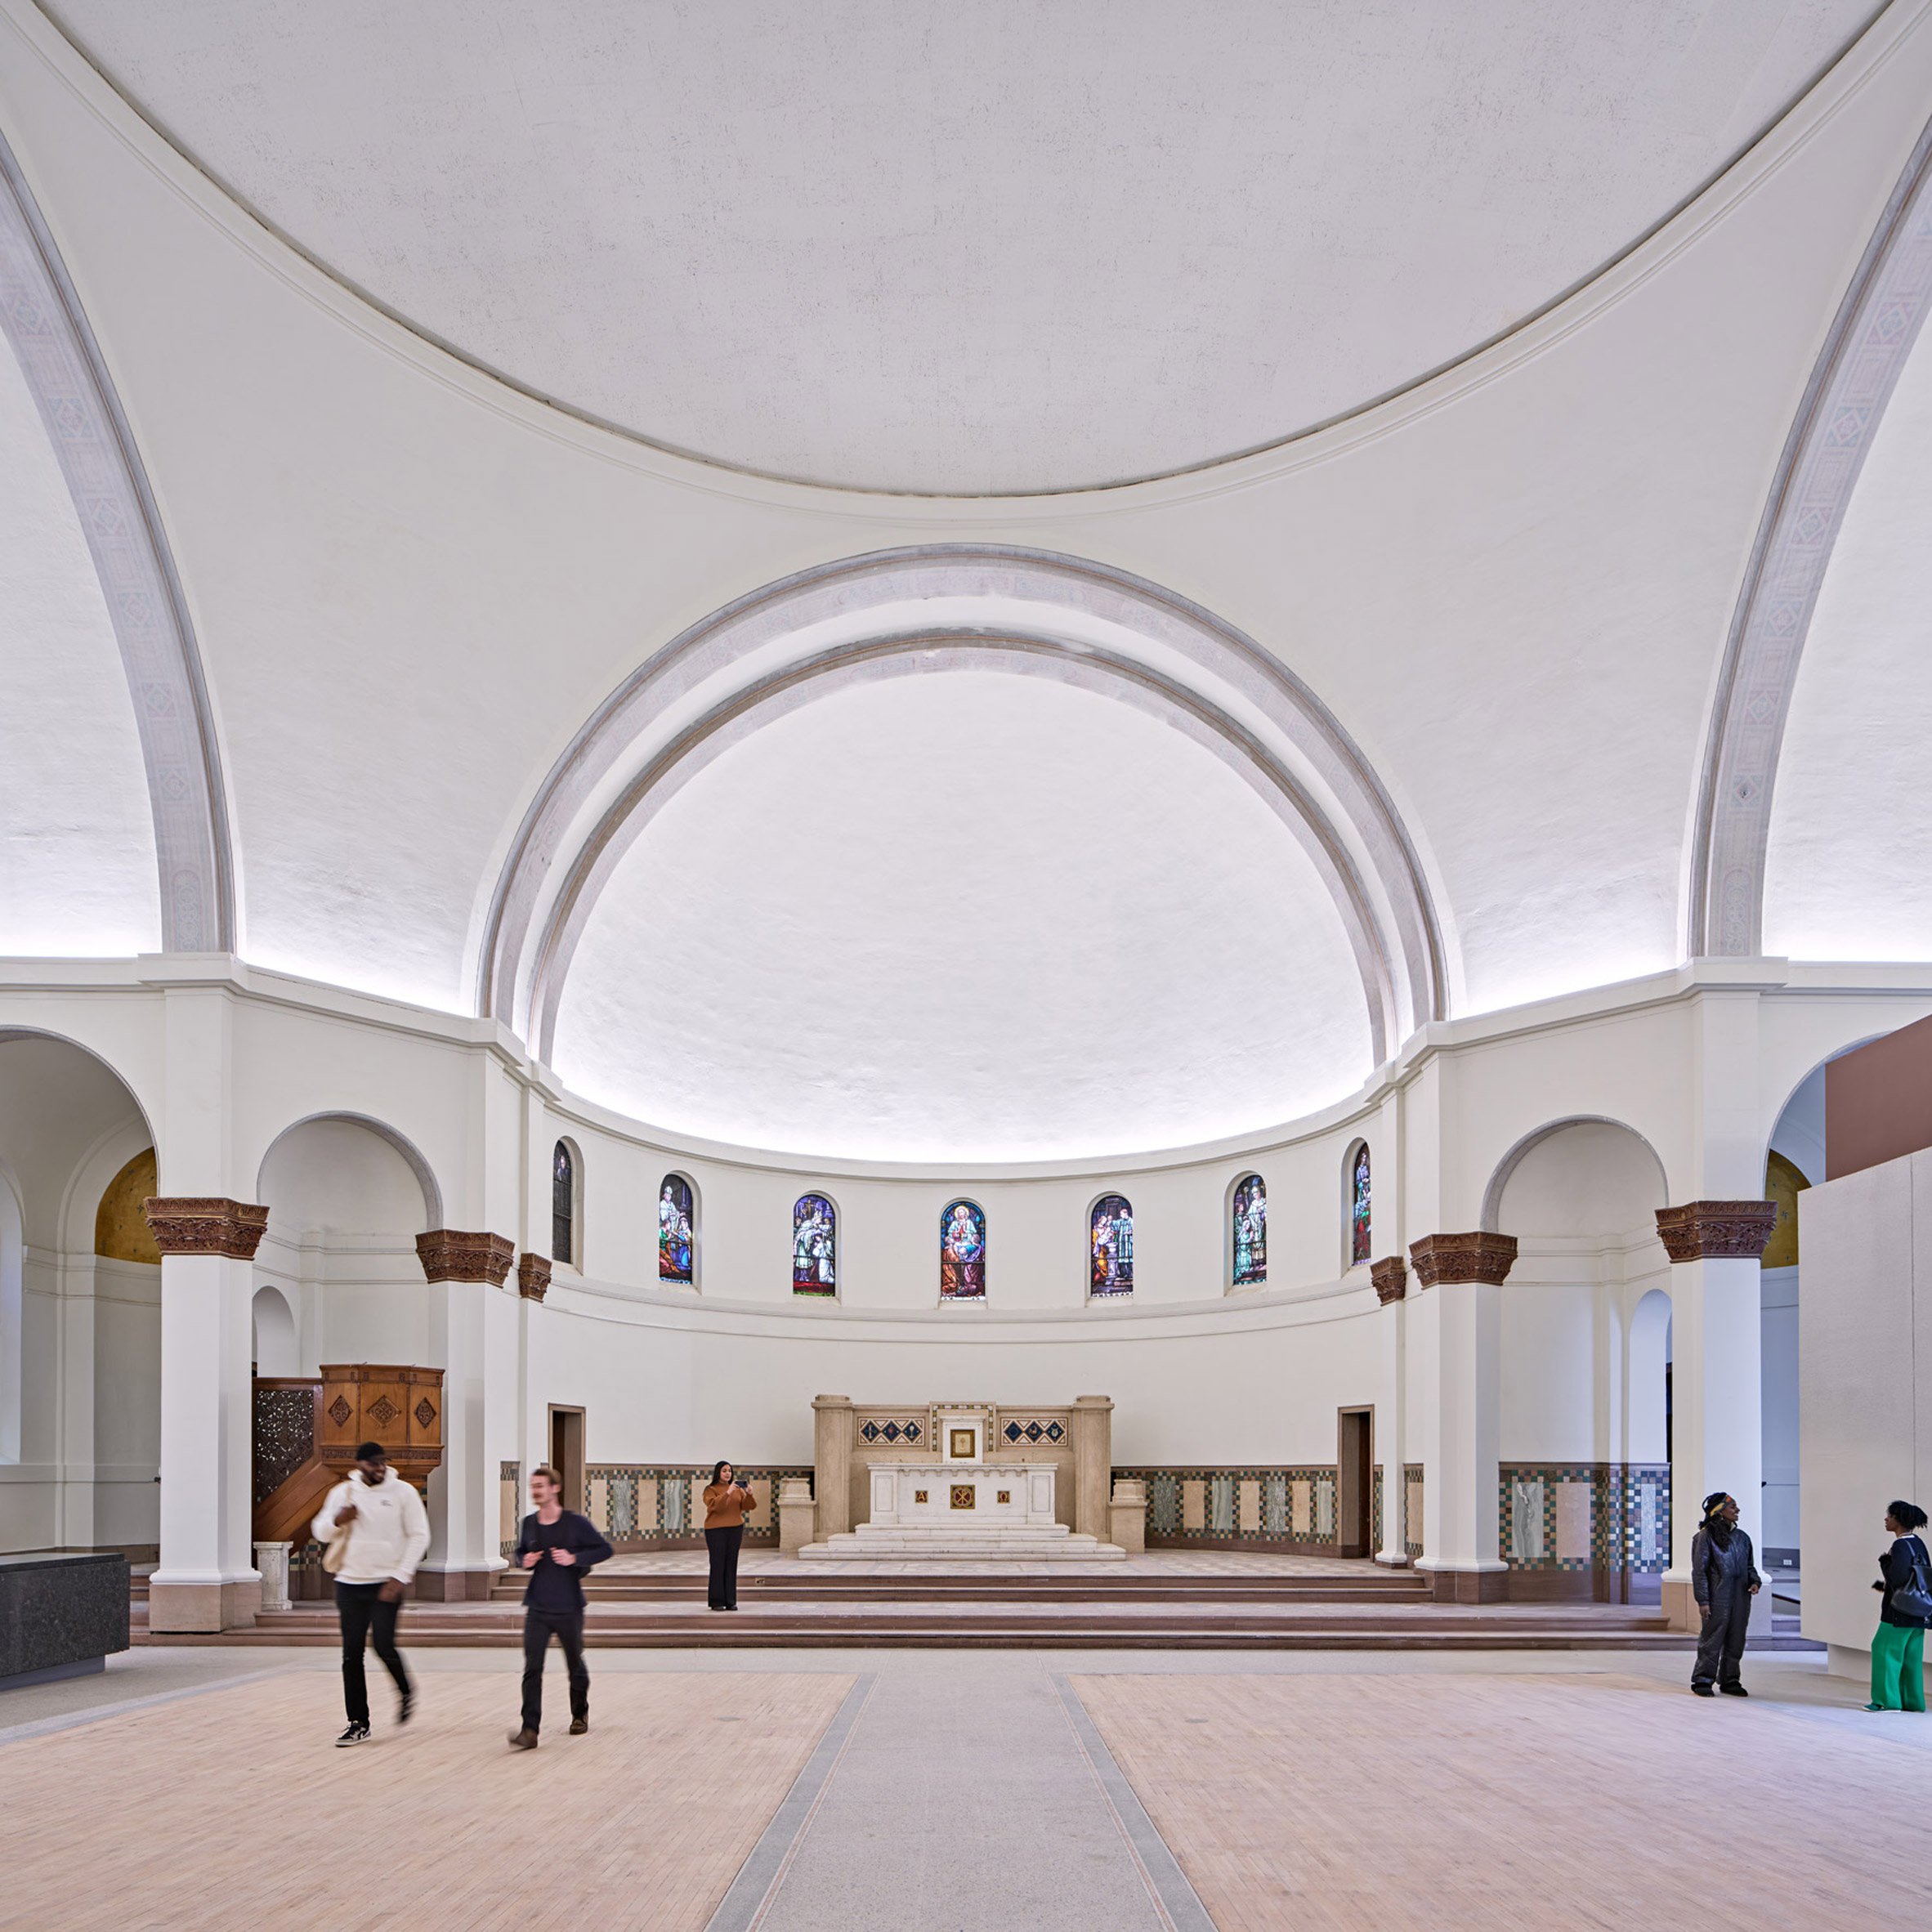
(356, 1734)
(1702, 1690)
(1733, 1690)
(404, 1709)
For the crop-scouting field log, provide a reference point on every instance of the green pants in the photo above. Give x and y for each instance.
(1898, 1668)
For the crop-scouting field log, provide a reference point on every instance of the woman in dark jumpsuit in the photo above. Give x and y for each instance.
(1724, 1579)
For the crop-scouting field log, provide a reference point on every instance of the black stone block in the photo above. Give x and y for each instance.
(57, 1610)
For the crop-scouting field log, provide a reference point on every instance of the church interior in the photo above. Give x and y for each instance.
(1138, 792)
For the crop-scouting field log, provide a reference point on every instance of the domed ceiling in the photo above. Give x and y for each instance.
(964, 915)
(994, 246)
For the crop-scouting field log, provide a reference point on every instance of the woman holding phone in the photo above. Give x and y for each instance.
(726, 1501)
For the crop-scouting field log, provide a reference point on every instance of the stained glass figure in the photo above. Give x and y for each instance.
(1250, 1232)
(1110, 1246)
(676, 1239)
(1358, 1207)
(563, 1205)
(814, 1246)
(962, 1252)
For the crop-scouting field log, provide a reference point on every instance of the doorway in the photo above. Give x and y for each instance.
(1355, 1463)
(566, 1452)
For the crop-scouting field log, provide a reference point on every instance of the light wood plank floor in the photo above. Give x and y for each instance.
(1398, 1802)
(232, 1810)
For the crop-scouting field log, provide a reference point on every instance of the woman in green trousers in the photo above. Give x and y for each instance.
(1898, 1645)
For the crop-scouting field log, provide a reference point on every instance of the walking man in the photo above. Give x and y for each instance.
(1724, 1579)
(387, 1531)
(556, 1546)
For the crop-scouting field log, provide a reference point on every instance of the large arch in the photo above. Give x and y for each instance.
(412, 1156)
(1864, 352)
(895, 612)
(68, 377)
(1491, 1220)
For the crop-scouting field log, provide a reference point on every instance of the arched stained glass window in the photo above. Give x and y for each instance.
(1110, 1246)
(962, 1251)
(676, 1232)
(1250, 1232)
(563, 1205)
(1359, 1236)
(814, 1246)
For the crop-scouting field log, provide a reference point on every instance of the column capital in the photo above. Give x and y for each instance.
(1390, 1276)
(533, 1275)
(452, 1255)
(1482, 1256)
(205, 1224)
(1716, 1230)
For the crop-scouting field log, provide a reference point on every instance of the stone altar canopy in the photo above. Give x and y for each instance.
(962, 1480)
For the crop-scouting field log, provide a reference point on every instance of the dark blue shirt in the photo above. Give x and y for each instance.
(558, 1586)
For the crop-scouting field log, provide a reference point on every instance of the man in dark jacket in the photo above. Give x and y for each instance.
(1725, 1580)
(556, 1546)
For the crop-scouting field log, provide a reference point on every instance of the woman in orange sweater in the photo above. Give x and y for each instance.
(726, 1501)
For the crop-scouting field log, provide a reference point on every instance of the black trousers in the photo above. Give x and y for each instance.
(1720, 1643)
(539, 1626)
(365, 1617)
(724, 1565)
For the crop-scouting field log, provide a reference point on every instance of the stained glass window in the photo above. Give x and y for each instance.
(1250, 1232)
(814, 1246)
(1110, 1246)
(677, 1236)
(962, 1252)
(1358, 1207)
(563, 1205)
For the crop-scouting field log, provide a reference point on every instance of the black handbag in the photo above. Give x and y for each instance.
(1914, 1597)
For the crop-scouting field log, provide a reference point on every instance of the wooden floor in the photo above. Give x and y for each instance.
(230, 1812)
(1416, 1803)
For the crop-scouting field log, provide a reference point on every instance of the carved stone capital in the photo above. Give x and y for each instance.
(533, 1275)
(1478, 1257)
(1391, 1278)
(451, 1254)
(205, 1224)
(1716, 1230)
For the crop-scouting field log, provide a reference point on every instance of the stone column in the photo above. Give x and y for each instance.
(1458, 1323)
(462, 1269)
(796, 1511)
(1127, 1515)
(1717, 1439)
(833, 1432)
(206, 1580)
(272, 1560)
(1093, 1464)
(1391, 1278)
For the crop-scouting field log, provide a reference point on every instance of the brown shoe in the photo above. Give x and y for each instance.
(578, 1726)
(523, 1740)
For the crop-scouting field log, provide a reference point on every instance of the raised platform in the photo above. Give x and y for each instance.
(1047, 1543)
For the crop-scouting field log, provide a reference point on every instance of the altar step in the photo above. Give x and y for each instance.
(1050, 1543)
(1100, 1584)
(1081, 1624)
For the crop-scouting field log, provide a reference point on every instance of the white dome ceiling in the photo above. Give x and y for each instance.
(964, 915)
(994, 246)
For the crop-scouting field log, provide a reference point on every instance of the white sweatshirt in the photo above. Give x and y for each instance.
(390, 1533)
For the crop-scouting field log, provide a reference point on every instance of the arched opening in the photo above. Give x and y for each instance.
(80, 1305)
(1359, 1237)
(566, 1184)
(274, 1349)
(1584, 1489)
(1247, 1232)
(962, 1251)
(814, 1246)
(676, 1232)
(1110, 1246)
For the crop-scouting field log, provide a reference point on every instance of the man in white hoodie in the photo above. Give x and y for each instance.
(388, 1533)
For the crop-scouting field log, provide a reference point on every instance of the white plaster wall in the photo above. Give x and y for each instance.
(1865, 1385)
(1778, 1291)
